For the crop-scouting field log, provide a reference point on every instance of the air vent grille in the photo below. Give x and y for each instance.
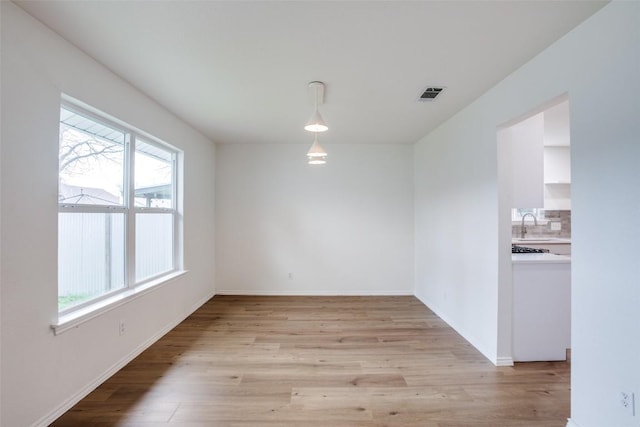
(430, 93)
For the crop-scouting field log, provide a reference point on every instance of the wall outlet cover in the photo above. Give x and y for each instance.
(556, 226)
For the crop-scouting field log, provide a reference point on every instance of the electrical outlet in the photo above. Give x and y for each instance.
(628, 401)
(556, 226)
(121, 328)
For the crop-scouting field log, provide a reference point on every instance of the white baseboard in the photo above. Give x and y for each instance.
(82, 393)
(504, 361)
(253, 292)
(571, 423)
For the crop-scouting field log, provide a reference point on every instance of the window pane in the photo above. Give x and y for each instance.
(518, 213)
(91, 259)
(153, 176)
(91, 161)
(154, 244)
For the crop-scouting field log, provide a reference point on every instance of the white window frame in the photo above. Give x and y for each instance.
(72, 316)
(131, 217)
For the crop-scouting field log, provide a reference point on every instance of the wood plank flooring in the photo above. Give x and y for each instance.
(322, 361)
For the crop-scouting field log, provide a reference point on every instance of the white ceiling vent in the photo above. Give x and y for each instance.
(430, 93)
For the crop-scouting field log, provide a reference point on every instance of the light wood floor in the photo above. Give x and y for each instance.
(322, 361)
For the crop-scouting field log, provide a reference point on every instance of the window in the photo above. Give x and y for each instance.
(117, 216)
(518, 213)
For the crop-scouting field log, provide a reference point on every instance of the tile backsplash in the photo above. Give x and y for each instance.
(563, 217)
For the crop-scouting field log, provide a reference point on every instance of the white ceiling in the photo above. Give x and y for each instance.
(238, 70)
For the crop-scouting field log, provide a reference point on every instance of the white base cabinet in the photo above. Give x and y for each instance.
(541, 307)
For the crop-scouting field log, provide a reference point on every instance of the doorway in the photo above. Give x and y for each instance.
(534, 192)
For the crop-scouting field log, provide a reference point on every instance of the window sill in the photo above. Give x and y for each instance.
(528, 223)
(84, 314)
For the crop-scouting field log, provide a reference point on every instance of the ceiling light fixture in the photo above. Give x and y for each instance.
(316, 154)
(316, 123)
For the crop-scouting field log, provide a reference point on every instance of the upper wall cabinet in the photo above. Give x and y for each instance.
(557, 158)
(557, 165)
(556, 125)
(525, 142)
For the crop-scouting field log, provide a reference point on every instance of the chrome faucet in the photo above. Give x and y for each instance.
(523, 229)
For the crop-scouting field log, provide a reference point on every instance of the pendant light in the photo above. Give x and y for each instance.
(316, 154)
(316, 123)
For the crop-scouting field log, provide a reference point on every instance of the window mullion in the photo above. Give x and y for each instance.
(131, 215)
(177, 256)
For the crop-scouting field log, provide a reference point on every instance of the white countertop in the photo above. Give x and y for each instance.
(544, 258)
(542, 240)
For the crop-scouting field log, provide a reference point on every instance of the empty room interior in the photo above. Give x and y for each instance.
(286, 213)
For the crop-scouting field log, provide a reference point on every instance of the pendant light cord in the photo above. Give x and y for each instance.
(317, 98)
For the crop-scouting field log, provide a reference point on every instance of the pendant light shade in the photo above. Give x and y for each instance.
(316, 149)
(316, 154)
(316, 123)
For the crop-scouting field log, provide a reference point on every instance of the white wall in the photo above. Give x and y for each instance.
(43, 374)
(456, 228)
(462, 254)
(605, 229)
(344, 228)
